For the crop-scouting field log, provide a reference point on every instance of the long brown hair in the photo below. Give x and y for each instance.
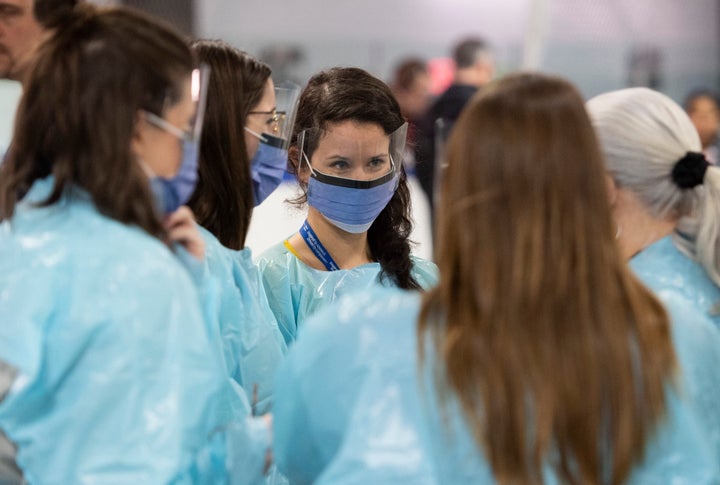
(223, 199)
(341, 94)
(556, 353)
(79, 110)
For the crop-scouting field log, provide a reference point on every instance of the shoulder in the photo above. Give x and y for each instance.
(425, 272)
(92, 249)
(274, 256)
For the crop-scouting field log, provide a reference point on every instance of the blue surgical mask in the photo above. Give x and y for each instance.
(268, 166)
(170, 194)
(351, 205)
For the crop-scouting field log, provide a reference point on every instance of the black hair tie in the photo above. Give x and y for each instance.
(690, 170)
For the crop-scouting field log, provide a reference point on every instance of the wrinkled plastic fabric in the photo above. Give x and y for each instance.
(119, 378)
(252, 343)
(296, 291)
(664, 269)
(352, 408)
(680, 281)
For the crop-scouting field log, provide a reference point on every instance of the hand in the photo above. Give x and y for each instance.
(182, 229)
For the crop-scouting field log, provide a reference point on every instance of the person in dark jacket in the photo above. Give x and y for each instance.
(474, 68)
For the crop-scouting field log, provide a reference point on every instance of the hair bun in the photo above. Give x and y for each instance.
(690, 170)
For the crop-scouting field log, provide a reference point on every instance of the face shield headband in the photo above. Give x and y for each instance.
(173, 192)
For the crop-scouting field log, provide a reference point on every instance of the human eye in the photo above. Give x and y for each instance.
(377, 163)
(340, 164)
(7, 11)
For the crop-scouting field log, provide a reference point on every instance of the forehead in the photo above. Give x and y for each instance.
(703, 103)
(267, 100)
(185, 106)
(353, 135)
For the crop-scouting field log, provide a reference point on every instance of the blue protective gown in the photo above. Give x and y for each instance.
(673, 276)
(352, 408)
(296, 291)
(118, 379)
(664, 269)
(252, 343)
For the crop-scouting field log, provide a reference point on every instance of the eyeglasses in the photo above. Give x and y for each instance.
(275, 115)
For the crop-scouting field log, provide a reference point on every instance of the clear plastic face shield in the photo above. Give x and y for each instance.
(354, 171)
(198, 91)
(279, 121)
(269, 164)
(356, 155)
(171, 193)
(442, 134)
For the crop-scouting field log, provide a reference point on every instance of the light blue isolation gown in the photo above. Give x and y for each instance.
(116, 376)
(252, 343)
(351, 407)
(673, 276)
(664, 269)
(296, 291)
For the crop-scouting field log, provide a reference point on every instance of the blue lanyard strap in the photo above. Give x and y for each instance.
(317, 248)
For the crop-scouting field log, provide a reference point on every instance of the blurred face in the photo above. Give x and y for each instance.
(156, 147)
(261, 119)
(20, 34)
(352, 150)
(706, 118)
(415, 100)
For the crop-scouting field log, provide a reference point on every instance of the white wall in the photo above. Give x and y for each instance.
(588, 41)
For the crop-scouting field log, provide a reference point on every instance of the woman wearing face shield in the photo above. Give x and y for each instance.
(538, 357)
(243, 157)
(346, 150)
(109, 372)
(665, 198)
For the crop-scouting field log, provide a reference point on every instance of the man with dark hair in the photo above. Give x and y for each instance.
(23, 25)
(474, 68)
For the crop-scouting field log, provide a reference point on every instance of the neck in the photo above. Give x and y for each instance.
(637, 228)
(347, 249)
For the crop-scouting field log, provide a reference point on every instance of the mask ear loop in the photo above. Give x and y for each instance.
(256, 134)
(301, 145)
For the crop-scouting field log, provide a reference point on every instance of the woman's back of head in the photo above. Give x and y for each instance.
(539, 333)
(646, 139)
(78, 113)
(643, 133)
(223, 200)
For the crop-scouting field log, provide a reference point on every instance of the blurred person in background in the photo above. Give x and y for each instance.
(702, 107)
(411, 87)
(23, 26)
(474, 68)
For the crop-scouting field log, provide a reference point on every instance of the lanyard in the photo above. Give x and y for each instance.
(317, 248)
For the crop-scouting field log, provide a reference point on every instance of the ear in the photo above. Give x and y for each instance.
(612, 189)
(138, 142)
(299, 166)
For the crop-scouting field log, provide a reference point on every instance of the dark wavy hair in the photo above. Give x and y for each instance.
(80, 107)
(54, 13)
(223, 199)
(342, 94)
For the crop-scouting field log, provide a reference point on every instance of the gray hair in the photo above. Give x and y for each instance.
(643, 134)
